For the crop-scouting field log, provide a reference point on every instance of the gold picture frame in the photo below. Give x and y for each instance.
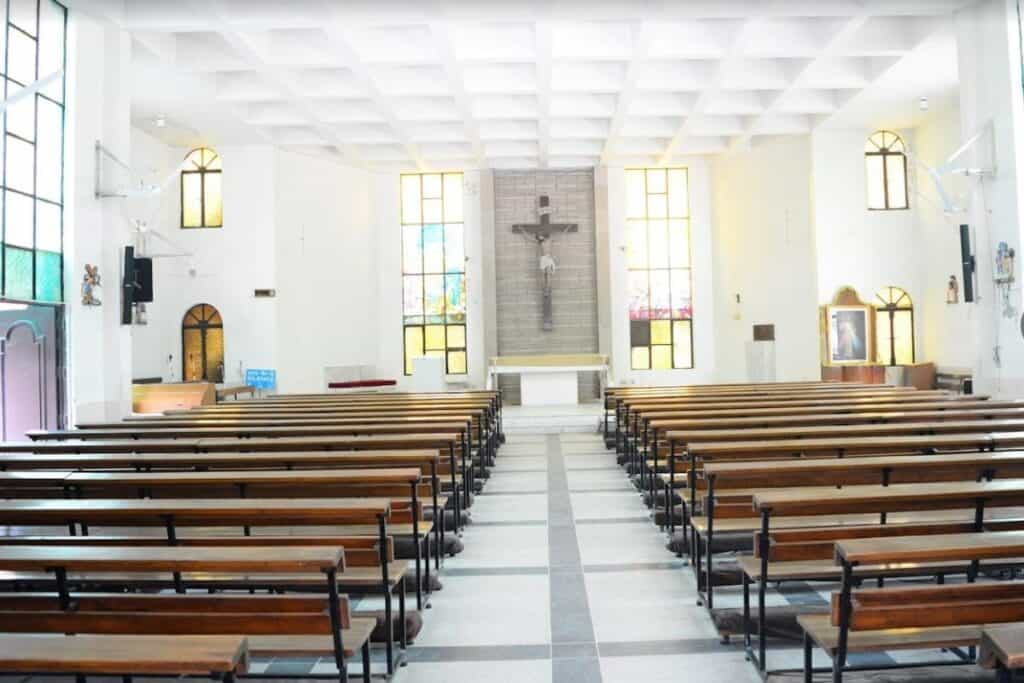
(849, 334)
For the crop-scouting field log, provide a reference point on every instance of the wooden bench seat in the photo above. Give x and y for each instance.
(220, 657)
(1002, 647)
(826, 636)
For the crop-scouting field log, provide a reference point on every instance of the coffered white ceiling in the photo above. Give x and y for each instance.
(525, 84)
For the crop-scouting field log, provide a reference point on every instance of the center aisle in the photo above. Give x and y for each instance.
(565, 579)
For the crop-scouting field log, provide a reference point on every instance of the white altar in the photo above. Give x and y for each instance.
(551, 379)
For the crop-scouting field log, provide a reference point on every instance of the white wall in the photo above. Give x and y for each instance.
(99, 349)
(990, 91)
(765, 252)
(704, 314)
(326, 273)
(864, 249)
(228, 262)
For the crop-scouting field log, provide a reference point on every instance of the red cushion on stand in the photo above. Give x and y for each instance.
(362, 384)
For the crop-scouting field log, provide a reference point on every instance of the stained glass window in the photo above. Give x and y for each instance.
(433, 269)
(894, 326)
(658, 268)
(202, 203)
(33, 150)
(885, 161)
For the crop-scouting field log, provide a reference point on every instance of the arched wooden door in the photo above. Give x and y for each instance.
(202, 345)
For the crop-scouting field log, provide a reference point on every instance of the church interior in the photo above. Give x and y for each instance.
(576, 341)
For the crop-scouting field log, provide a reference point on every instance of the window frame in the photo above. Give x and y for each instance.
(884, 152)
(891, 306)
(423, 274)
(202, 171)
(33, 196)
(671, 320)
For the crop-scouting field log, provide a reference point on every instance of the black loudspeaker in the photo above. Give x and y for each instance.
(967, 261)
(143, 280)
(128, 286)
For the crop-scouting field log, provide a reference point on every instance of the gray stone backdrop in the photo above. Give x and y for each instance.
(574, 287)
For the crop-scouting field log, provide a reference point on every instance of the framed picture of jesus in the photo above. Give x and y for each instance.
(849, 334)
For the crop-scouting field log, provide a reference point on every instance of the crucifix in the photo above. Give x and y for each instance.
(542, 233)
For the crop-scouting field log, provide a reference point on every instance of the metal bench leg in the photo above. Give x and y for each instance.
(808, 659)
(366, 662)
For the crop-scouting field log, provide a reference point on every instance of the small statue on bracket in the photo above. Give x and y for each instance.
(90, 285)
(953, 291)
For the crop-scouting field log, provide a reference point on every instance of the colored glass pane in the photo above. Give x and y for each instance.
(656, 182)
(20, 162)
(456, 362)
(682, 305)
(661, 357)
(433, 249)
(48, 228)
(875, 181)
(18, 222)
(432, 186)
(433, 337)
(661, 332)
(22, 13)
(657, 244)
(657, 206)
(454, 251)
(640, 358)
(21, 57)
(456, 336)
(660, 294)
(433, 298)
(639, 333)
(682, 344)
(412, 298)
(453, 197)
(21, 115)
(455, 297)
(49, 150)
(51, 46)
(678, 193)
(432, 211)
(413, 346)
(679, 243)
(191, 200)
(17, 273)
(213, 203)
(895, 173)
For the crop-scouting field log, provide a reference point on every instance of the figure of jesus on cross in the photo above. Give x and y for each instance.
(542, 233)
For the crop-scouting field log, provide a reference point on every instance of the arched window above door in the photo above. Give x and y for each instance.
(894, 326)
(202, 201)
(202, 345)
(885, 161)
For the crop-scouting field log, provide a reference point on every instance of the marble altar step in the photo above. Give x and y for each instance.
(584, 417)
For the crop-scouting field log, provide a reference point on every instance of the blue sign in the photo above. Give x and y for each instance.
(261, 379)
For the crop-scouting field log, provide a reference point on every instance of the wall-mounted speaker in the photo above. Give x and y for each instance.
(128, 286)
(967, 261)
(143, 280)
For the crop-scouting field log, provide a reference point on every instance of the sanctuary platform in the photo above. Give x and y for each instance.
(548, 379)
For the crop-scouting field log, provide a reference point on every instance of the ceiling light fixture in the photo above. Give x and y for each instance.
(922, 104)
(161, 121)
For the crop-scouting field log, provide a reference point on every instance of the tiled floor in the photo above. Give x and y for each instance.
(565, 579)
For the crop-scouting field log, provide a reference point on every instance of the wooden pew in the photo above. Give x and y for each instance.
(917, 617)
(272, 623)
(811, 509)
(1002, 649)
(234, 392)
(220, 657)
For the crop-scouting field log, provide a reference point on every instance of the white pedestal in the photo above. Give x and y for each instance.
(548, 388)
(428, 375)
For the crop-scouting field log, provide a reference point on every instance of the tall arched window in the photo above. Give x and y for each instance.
(894, 326)
(202, 202)
(885, 160)
(202, 345)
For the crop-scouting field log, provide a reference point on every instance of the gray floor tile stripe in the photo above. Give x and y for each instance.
(481, 653)
(572, 628)
(633, 566)
(496, 571)
(614, 520)
(646, 648)
(525, 522)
